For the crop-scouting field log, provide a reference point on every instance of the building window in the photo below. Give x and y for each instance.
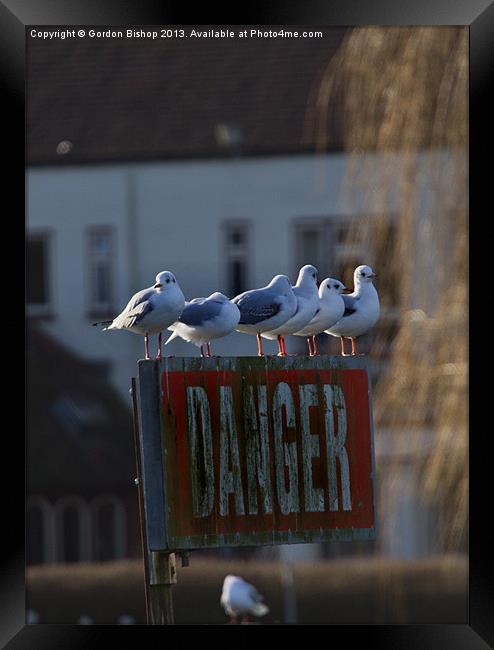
(40, 544)
(109, 528)
(71, 534)
(335, 245)
(38, 273)
(236, 247)
(313, 245)
(72, 530)
(101, 270)
(35, 534)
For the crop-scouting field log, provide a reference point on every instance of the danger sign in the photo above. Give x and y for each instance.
(261, 450)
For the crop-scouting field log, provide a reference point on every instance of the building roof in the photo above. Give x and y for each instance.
(134, 99)
(79, 434)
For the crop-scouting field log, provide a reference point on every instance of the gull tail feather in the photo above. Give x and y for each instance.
(103, 322)
(170, 338)
(259, 609)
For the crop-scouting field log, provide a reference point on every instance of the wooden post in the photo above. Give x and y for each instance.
(144, 545)
(163, 576)
(160, 573)
(289, 592)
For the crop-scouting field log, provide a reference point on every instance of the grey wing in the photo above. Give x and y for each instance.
(139, 305)
(198, 312)
(257, 306)
(350, 304)
(255, 595)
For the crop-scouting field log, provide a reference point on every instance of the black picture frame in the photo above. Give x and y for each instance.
(15, 15)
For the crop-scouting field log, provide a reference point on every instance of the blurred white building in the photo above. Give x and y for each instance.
(98, 234)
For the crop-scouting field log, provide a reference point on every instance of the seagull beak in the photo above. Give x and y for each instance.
(373, 275)
(345, 290)
(158, 285)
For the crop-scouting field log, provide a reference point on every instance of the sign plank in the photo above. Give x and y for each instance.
(258, 451)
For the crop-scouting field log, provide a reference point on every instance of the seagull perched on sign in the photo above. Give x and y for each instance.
(266, 308)
(361, 309)
(330, 309)
(239, 598)
(151, 310)
(204, 319)
(305, 291)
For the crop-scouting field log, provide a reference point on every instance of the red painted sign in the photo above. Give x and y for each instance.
(262, 455)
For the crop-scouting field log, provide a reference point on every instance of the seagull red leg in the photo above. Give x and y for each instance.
(260, 353)
(208, 347)
(347, 354)
(314, 345)
(283, 346)
(354, 348)
(146, 345)
(310, 346)
(159, 346)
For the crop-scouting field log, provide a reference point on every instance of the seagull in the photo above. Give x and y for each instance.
(305, 291)
(266, 308)
(151, 310)
(330, 310)
(361, 309)
(204, 319)
(241, 598)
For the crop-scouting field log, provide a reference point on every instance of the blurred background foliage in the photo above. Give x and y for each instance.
(406, 90)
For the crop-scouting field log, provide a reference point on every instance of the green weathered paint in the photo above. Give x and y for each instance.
(195, 542)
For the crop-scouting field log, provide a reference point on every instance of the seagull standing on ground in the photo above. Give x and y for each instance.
(330, 309)
(305, 291)
(239, 598)
(361, 309)
(151, 310)
(205, 319)
(266, 308)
